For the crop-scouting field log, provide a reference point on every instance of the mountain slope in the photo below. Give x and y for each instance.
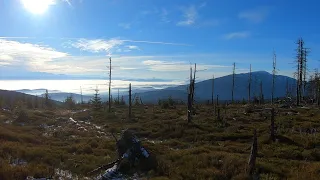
(62, 97)
(8, 98)
(223, 86)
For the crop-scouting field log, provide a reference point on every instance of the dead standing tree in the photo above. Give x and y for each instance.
(301, 69)
(191, 93)
(233, 76)
(304, 71)
(81, 95)
(314, 87)
(253, 154)
(317, 86)
(130, 102)
(272, 134)
(249, 86)
(261, 99)
(273, 76)
(287, 87)
(212, 94)
(216, 106)
(109, 85)
(193, 83)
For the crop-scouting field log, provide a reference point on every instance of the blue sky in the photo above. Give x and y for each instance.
(155, 38)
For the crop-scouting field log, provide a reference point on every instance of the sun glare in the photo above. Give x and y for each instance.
(37, 6)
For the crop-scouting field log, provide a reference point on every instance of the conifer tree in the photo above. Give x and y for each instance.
(96, 102)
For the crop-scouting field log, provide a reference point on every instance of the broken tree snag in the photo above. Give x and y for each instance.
(261, 94)
(109, 85)
(212, 94)
(273, 76)
(216, 106)
(191, 94)
(249, 86)
(217, 100)
(141, 102)
(301, 69)
(272, 136)
(253, 154)
(233, 77)
(218, 115)
(130, 101)
(193, 84)
(189, 106)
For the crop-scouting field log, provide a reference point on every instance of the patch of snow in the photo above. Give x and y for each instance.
(72, 120)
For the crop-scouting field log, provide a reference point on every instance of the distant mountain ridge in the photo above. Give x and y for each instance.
(203, 89)
(12, 96)
(223, 88)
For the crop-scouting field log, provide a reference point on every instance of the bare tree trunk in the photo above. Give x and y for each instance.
(261, 93)
(301, 77)
(287, 87)
(130, 102)
(118, 97)
(272, 136)
(110, 85)
(216, 106)
(253, 154)
(273, 76)
(191, 93)
(317, 88)
(249, 87)
(304, 58)
(217, 100)
(81, 95)
(233, 76)
(218, 115)
(189, 110)
(301, 69)
(297, 89)
(318, 93)
(212, 95)
(193, 83)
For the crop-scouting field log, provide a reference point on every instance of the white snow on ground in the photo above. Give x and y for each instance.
(72, 120)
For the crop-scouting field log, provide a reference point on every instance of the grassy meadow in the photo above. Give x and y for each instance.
(48, 142)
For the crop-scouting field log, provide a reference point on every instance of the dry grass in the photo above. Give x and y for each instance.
(204, 149)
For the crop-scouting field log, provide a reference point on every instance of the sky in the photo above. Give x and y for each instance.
(158, 39)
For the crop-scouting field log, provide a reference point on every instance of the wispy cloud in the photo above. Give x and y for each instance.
(125, 25)
(255, 15)
(164, 16)
(190, 15)
(164, 66)
(133, 47)
(127, 68)
(41, 58)
(156, 42)
(15, 37)
(235, 35)
(30, 55)
(97, 45)
(109, 46)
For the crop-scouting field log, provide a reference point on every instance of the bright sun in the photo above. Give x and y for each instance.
(37, 6)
